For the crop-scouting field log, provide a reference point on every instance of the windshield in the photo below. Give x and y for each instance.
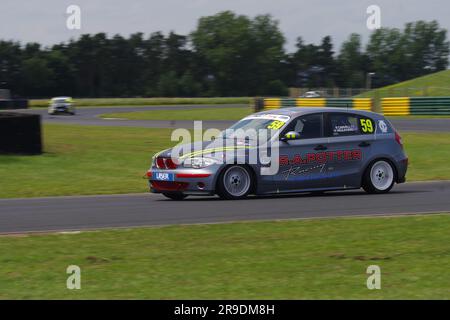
(251, 126)
(60, 100)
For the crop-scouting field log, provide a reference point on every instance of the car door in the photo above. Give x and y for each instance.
(300, 169)
(350, 142)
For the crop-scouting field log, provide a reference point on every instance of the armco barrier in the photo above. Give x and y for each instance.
(276, 103)
(20, 133)
(416, 106)
(430, 106)
(398, 106)
(395, 106)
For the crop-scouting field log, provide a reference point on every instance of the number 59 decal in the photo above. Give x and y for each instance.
(275, 125)
(366, 125)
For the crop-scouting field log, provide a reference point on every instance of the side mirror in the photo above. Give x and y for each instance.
(291, 135)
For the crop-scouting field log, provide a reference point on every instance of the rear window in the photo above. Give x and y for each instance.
(344, 124)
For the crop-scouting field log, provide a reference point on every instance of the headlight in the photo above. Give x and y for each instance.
(198, 163)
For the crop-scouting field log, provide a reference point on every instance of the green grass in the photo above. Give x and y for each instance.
(98, 102)
(306, 259)
(82, 160)
(192, 114)
(428, 154)
(435, 84)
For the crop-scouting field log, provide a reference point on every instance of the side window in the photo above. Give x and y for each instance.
(309, 126)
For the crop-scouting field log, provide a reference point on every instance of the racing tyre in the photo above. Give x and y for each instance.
(379, 177)
(235, 182)
(175, 196)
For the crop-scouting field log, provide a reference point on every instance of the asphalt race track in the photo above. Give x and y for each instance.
(93, 212)
(90, 116)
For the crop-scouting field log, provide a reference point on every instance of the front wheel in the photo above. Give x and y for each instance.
(379, 177)
(235, 182)
(175, 196)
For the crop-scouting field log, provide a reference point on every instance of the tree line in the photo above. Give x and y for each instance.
(226, 55)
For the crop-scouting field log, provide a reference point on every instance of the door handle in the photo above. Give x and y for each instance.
(364, 144)
(320, 147)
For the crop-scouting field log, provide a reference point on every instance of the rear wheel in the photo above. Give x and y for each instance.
(235, 182)
(379, 177)
(175, 196)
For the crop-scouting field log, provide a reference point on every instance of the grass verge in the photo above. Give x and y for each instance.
(306, 259)
(83, 160)
(191, 114)
(105, 160)
(230, 113)
(82, 102)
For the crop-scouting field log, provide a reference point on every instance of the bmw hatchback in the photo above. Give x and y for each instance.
(306, 150)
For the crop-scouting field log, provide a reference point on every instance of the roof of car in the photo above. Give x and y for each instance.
(297, 111)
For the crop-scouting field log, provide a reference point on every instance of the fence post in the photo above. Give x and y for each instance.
(258, 104)
(376, 102)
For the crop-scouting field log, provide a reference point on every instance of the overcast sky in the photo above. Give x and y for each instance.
(44, 21)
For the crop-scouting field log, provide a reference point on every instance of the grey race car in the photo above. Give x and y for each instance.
(311, 149)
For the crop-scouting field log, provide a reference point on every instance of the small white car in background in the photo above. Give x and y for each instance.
(311, 94)
(60, 105)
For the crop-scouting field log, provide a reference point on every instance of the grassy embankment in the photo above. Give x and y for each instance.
(432, 85)
(228, 113)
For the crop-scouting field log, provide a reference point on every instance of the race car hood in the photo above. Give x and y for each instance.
(215, 148)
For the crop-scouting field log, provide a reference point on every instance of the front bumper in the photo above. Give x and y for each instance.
(185, 180)
(60, 109)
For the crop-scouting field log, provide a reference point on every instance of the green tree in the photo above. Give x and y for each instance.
(188, 86)
(63, 80)
(352, 63)
(240, 55)
(11, 66)
(419, 49)
(327, 62)
(37, 77)
(168, 85)
(428, 47)
(313, 65)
